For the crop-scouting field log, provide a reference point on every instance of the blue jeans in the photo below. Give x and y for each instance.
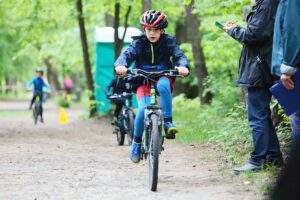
(295, 123)
(164, 90)
(265, 141)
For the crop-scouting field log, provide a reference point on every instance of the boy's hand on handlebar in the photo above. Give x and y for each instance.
(121, 70)
(183, 71)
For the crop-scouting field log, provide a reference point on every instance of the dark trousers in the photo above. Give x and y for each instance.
(295, 123)
(265, 141)
(119, 104)
(40, 95)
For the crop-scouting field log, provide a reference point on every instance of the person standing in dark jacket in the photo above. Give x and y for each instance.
(254, 74)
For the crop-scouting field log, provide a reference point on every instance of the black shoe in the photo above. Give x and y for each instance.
(170, 130)
(247, 168)
(42, 120)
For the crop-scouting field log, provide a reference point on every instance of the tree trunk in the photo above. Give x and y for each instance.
(198, 55)
(119, 42)
(86, 59)
(109, 20)
(146, 5)
(78, 87)
(8, 85)
(52, 75)
(181, 31)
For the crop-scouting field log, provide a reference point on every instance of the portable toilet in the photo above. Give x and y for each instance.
(104, 60)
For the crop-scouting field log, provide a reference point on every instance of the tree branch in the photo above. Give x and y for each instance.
(126, 22)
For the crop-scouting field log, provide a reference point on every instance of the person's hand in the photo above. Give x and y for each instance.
(228, 26)
(287, 81)
(108, 95)
(183, 71)
(121, 70)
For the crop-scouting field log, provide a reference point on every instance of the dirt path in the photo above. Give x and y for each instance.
(80, 160)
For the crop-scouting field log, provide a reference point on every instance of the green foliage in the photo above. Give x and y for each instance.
(226, 125)
(63, 102)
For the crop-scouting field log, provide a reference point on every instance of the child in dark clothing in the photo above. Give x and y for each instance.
(117, 86)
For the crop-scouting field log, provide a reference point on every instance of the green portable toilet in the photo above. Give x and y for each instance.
(104, 60)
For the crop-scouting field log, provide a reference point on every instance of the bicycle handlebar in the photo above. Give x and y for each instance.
(133, 73)
(123, 95)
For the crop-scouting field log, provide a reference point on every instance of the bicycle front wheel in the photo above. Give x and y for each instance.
(35, 114)
(154, 150)
(130, 126)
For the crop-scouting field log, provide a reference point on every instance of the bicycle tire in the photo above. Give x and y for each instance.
(35, 114)
(120, 138)
(130, 126)
(154, 151)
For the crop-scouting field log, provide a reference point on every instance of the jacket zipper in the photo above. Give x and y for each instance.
(152, 51)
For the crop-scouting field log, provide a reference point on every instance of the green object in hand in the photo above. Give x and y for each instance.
(219, 25)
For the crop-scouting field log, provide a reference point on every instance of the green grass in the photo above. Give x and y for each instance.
(197, 125)
(226, 127)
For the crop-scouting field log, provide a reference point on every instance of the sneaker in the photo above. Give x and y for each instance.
(135, 155)
(170, 130)
(115, 130)
(247, 168)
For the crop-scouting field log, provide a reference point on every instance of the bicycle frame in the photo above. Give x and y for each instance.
(123, 114)
(153, 109)
(37, 109)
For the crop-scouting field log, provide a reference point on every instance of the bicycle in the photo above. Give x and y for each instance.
(37, 109)
(153, 139)
(125, 123)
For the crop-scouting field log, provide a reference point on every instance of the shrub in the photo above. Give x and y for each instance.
(63, 102)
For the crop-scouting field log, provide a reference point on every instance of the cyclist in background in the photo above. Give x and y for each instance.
(117, 86)
(153, 50)
(38, 84)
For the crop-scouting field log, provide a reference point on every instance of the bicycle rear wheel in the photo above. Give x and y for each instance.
(154, 150)
(130, 126)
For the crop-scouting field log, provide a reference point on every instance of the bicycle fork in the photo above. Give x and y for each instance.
(149, 111)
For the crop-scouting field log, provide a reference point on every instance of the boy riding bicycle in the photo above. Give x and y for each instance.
(38, 84)
(153, 50)
(117, 86)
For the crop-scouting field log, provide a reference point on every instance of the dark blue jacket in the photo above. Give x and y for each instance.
(287, 36)
(118, 86)
(291, 32)
(38, 84)
(277, 54)
(257, 39)
(165, 53)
